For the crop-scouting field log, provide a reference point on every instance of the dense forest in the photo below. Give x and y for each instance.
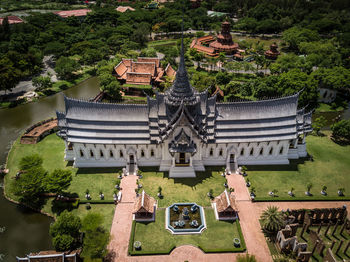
(315, 34)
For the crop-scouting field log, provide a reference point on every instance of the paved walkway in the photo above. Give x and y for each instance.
(249, 214)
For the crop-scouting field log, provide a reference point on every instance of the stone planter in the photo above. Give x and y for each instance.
(323, 193)
(137, 245)
(236, 242)
(248, 184)
(290, 193)
(340, 193)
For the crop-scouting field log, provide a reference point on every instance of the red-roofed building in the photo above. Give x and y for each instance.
(144, 71)
(223, 43)
(12, 20)
(77, 13)
(273, 53)
(123, 9)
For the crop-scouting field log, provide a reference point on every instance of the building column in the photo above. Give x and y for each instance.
(173, 161)
(190, 160)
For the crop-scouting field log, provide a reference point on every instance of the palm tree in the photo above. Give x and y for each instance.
(272, 219)
(246, 258)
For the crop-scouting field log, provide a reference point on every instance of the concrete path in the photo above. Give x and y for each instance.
(249, 214)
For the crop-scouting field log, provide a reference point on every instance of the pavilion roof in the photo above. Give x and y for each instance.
(123, 9)
(12, 20)
(144, 203)
(68, 13)
(226, 201)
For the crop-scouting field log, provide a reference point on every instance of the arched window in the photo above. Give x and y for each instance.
(271, 151)
(111, 153)
(81, 153)
(242, 152)
(91, 153)
(261, 151)
(220, 152)
(211, 152)
(281, 151)
(142, 153)
(252, 151)
(121, 154)
(152, 153)
(101, 153)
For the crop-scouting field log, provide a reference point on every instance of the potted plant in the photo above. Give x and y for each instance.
(137, 245)
(273, 192)
(87, 194)
(139, 173)
(138, 184)
(291, 193)
(223, 172)
(244, 170)
(324, 191)
(160, 192)
(120, 175)
(248, 184)
(225, 184)
(115, 194)
(88, 207)
(308, 188)
(341, 191)
(252, 191)
(117, 184)
(102, 196)
(210, 193)
(137, 191)
(232, 189)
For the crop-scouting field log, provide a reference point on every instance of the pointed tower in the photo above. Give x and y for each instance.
(181, 92)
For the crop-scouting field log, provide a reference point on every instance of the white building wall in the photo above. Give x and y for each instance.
(260, 153)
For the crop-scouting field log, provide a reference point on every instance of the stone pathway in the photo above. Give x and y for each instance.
(249, 214)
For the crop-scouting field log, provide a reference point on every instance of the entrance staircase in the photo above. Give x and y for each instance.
(181, 172)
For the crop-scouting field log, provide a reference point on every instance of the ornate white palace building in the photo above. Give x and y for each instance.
(182, 131)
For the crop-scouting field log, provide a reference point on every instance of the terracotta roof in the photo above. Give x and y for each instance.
(218, 91)
(138, 78)
(155, 60)
(169, 70)
(68, 13)
(221, 47)
(123, 9)
(121, 69)
(225, 202)
(12, 20)
(127, 62)
(143, 67)
(144, 203)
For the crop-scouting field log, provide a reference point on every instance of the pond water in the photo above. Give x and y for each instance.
(27, 231)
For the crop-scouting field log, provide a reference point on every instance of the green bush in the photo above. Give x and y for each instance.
(30, 161)
(63, 242)
(66, 224)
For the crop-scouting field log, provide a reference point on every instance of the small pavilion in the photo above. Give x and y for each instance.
(144, 208)
(11, 19)
(272, 53)
(143, 71)
(225, 206)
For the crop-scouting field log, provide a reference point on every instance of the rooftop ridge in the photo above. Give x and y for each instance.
(81, 100)
(137, 62)
(278, 98)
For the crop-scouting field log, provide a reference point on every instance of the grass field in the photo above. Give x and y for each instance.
(51, 149)
(183, 189)
(218, 237)
(330, 167)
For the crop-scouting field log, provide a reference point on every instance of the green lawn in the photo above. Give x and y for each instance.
(183, 189)
(51, 149)
(330, 167)
(218, 237)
